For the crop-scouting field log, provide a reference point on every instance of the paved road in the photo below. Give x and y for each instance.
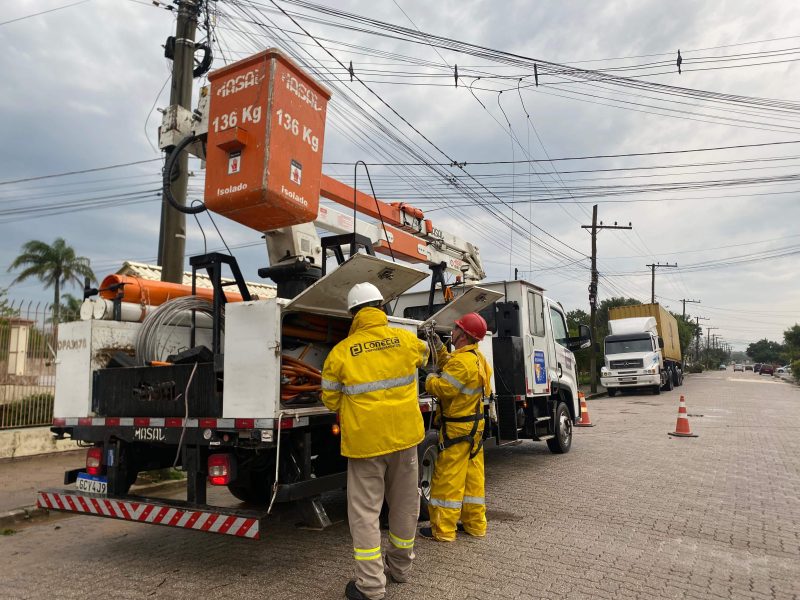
(629, 513)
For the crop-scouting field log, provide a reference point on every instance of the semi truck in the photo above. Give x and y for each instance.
(226, 387)
(642, 351)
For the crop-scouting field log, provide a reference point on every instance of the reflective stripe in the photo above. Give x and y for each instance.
(445, 503)
(367, 554)
(474, 500)
(374, 386)
(399, 542)
(460, 386)
(333, 386)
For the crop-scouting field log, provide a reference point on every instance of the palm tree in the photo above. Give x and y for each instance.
(54, 266)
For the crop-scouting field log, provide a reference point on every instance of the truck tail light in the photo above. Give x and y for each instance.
(221, 469)
(94, 461)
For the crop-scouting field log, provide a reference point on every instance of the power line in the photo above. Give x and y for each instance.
(68, 173)
(44, 12)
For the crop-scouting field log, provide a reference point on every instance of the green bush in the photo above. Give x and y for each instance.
(796, 369)
(36, 409)
(695, 368)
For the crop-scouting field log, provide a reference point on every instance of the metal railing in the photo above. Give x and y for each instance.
(28, 338)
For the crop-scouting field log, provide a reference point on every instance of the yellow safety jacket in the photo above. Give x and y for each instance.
(460, 388)
(370, 379)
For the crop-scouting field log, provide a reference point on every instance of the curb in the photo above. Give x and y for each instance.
(29, 513)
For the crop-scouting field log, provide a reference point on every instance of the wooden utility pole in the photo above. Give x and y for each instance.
(172, 236)
(684, 300)
(653, 281)
(594, 227)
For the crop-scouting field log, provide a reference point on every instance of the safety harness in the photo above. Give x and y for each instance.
(470, 437)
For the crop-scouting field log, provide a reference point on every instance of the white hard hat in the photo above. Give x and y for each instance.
(363, 293)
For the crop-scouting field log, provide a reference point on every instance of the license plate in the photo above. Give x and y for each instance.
(92, 484)
(627, 380)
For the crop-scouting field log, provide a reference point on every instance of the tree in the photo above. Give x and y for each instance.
(70, 308)
(765, 351)
(5, 309)
(687, 330)
(55, 266)
(792, 339)
(574, 318)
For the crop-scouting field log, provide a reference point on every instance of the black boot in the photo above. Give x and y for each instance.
(351, 592)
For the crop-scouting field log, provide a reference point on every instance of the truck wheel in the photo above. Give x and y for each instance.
(656, 390)
(251, 487)
(611, 392)
(677, 377)
(427, 453)
(563, 440)
(668, 384)
(253, 484)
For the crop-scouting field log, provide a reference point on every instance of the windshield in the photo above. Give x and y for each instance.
(625, 346)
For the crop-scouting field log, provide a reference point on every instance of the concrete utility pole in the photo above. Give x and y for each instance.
(172, 237)
(653, 281)
(699, 332)
(594, 227)
(684, 300)
(708, 341)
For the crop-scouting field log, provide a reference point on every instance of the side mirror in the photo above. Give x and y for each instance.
(583, 340)
(660, 342)
(585, 335)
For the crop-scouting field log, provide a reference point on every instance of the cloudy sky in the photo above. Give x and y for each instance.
(703, 164)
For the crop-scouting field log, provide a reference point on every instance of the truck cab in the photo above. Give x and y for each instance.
(633, 356)
(535, 375)
(642, 350)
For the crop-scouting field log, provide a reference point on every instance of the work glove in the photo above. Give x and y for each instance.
(437, 342)
(428, 378)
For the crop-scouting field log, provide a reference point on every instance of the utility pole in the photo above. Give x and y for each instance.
(172, 236)
(653, 281)
(684, 300)
(594, 227)
(698, 333)
(708, 341)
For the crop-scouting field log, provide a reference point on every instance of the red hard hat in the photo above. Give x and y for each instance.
(473, 325)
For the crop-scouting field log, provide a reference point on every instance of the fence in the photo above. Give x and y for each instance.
(28, 338)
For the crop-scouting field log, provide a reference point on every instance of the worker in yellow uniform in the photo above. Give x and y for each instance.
(370, 379)
(457, 488)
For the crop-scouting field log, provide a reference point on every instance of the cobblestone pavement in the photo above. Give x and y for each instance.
(629, 513)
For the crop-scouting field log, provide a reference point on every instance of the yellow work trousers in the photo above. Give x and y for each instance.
(394, 477)
(457, 491)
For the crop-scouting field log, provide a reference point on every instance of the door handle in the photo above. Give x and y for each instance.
(560, 371)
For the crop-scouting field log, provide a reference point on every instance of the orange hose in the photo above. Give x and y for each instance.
(300, 378)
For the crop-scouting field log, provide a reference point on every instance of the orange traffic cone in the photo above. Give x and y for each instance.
(584, 421)
(682, 426)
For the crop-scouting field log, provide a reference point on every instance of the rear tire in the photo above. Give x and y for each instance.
(427, 453)
(254, 481)
(563, 440)
(668, 386)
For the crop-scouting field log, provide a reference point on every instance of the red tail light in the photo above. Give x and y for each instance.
(94, 461)
(221, 469)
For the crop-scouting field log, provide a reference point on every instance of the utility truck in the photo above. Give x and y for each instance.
(643, 350)
(228, 387)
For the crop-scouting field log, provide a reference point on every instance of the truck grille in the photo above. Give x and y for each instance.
(636, 363)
